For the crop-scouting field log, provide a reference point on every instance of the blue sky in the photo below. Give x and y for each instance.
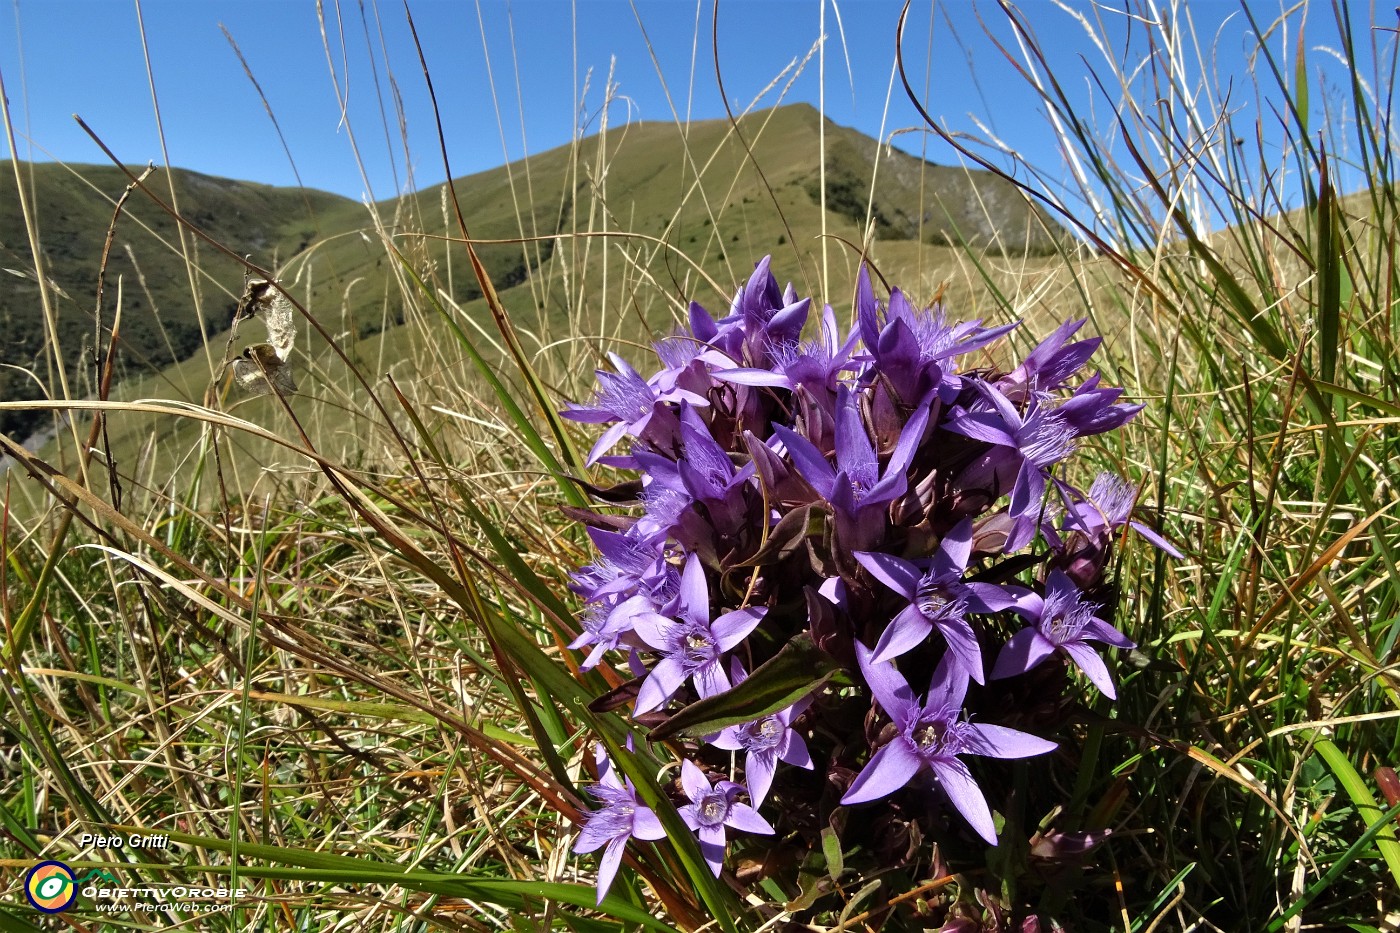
(60, 57)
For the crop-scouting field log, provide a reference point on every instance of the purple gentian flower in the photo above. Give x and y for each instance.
(914, 349)
(713, 808)
(604, 626)
(1109, 507)
(704, 473)
(630, 564)
(770, 318)
(691, 644)
(631, 401)
(766, 741)
(818, 364)
(1061, 621)
(761, 317)
(937, 599)
(621, 818)
(663, 506)
(815, 364)
(931, 736)
(857, 489)
(1050, 364)
(682, 359)
(1038, 439)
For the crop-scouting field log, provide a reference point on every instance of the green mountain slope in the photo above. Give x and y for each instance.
(663, 208)
(166, 316)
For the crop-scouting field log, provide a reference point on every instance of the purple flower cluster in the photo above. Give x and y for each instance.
(890, 496)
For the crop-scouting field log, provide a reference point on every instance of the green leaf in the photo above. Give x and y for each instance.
(799, 668)
(831, 848)
(1380, 404)
(1378, 823)
(1329, 263)
(1300, 85)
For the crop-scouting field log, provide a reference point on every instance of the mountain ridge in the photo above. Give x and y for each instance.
(638, 177)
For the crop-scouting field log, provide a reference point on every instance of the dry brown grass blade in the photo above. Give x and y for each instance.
(289, 637)
(19, 634)
(1295, 586)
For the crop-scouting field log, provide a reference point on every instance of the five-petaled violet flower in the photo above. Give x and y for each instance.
(713, 808)
(628, 399)
(1061, 621)
(931, 735)
(938, 598)
(766, 741)
(620, 818)
(857, 489)
(1035, 440)
(691, 645)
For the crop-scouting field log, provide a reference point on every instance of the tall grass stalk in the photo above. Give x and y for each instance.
(1259, 306)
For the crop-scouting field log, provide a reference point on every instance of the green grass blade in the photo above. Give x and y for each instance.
(344, 869)
(1379, 824)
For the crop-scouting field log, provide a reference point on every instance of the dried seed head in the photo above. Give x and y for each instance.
(263, 299)
(259, 370)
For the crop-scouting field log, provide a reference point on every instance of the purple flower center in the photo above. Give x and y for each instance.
(1066, 626)
(712, 809)
(628, 398)
(1064, 616)
(697, 647)
(595, 621)
(711, 462)
(1113, 497)
(676, 351)
(612, 821)
(933, 598)
(937, 734)
(1045, 438)
(763, 735)
(934, 336)
(664, 504)
(928, 736)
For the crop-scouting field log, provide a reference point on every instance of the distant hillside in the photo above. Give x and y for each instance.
(159, 323)
(640, 179)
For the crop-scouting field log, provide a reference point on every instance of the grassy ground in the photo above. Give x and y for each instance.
(319, 642)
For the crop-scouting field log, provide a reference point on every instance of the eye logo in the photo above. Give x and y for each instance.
(51, 887)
